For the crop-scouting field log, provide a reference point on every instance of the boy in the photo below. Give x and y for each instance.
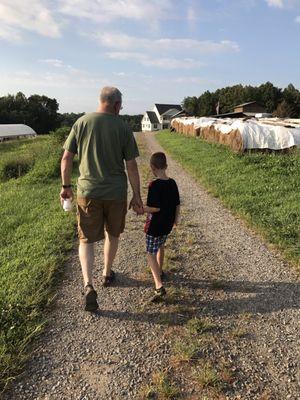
(163, 208)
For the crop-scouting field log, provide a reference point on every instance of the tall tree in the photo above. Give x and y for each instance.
(39, 112)
(266, 94)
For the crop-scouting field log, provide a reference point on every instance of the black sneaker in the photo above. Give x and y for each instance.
(158, 295)
(90, 297)
(108, 280)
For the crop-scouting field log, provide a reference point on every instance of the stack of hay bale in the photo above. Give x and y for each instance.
(241, 134)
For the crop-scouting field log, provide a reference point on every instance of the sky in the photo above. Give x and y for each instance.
(155, 51)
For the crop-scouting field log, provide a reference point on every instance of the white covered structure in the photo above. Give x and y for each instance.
(15, 131)
(254, 133)
(160, 117)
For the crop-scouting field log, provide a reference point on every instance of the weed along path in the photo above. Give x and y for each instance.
(229, 328)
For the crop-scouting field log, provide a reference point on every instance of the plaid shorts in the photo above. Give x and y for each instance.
(154, 243)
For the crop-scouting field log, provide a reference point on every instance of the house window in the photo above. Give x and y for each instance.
(155, 126)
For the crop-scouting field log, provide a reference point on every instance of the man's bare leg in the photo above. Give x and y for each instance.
(86, 257)
(110, 251)
(160, 257)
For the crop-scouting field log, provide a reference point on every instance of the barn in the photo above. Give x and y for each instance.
(252, 107)
(15, 131)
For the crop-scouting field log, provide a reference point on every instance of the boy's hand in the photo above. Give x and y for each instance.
(138, 210)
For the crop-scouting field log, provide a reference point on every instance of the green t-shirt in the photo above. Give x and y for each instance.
(102, 142)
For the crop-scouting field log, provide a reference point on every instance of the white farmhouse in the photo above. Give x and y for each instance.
(160, 117)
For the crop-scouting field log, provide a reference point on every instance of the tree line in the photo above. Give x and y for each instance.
(41, 113)
(279, 102)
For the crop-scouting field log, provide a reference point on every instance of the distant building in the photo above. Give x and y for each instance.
(15, 131)
(252, 107)
(160, 117)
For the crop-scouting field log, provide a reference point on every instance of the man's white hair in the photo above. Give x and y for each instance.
(110, 95)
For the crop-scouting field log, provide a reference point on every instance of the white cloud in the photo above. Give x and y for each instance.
(106, 11)
(125, 42)
(275, 3)
(297, 19)
(32, 15)
(53, 61)
(159, 62)
(50, 79)
(10, 34)
(163, 53)
(284, 4)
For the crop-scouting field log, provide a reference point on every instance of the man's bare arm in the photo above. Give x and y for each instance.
(134, 179)
(66, 167)
(66, 172)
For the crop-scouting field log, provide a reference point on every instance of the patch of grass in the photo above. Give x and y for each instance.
(262, 188)
(176, 294)
(239, 333)
(18, 157)
(163, 386)
(207, 376)
(246, 316)
(35, 235)
(196, 326)
(170, 264)
(185, 350)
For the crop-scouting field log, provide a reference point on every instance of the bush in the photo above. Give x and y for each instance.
(15, 169)
(61, 134)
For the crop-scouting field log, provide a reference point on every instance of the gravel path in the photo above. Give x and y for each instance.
(109, 355)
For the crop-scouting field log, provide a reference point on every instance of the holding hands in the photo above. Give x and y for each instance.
(136, 204)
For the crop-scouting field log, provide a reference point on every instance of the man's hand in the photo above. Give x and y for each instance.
(137, 205)
(66, 194)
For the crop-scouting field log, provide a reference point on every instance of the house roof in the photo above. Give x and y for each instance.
(178, 113)
(153, 117)
(162, 108)
(171, 112)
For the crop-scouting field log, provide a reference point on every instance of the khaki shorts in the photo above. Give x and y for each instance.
(95, 215)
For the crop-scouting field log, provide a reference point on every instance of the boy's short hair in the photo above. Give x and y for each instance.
(159, 160)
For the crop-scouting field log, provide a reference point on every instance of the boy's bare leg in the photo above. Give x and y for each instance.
(86, 257)
(160, 257)
(155, 269)
(110, 251)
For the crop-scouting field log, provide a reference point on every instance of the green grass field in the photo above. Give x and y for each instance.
(35, 235)
(264, 189)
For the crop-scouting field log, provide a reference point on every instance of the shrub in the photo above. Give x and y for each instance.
(61, 134)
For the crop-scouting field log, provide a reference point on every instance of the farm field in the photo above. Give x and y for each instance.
(35, 234)
(264, 189)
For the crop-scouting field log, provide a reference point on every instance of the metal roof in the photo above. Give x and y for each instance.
(15, 130)
(162, 108)
(153, 117)
(171, 112)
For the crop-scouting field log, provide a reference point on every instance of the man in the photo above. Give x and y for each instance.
(102, 142)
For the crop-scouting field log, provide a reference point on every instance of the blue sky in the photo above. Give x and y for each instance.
(154, 51)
